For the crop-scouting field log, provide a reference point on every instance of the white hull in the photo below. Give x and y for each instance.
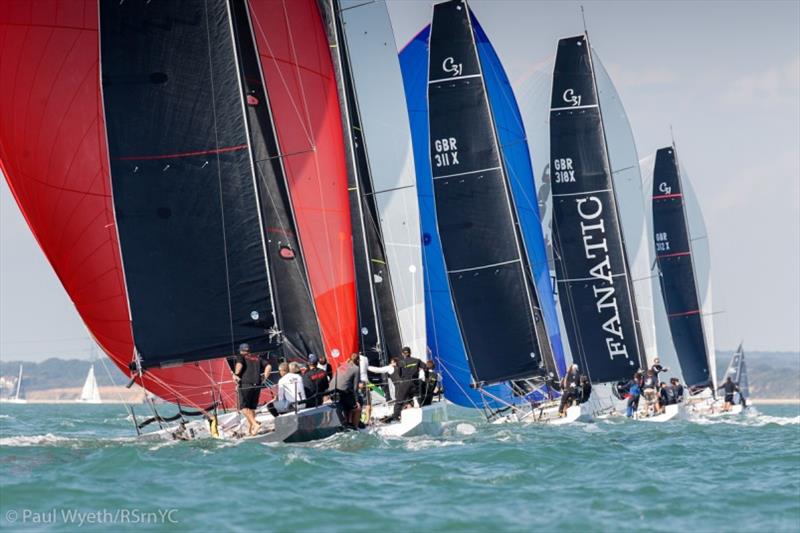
(415, 422)
(13, 400)
(670, 412)
(547, 414)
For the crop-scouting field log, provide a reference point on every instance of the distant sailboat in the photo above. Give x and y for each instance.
(737, 371)
(16, 398)
(91, 392)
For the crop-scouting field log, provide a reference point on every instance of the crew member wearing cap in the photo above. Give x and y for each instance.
(247, 372)
(315, 382)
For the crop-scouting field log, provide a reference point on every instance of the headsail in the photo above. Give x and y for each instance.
(678, 282)
(595, 286)
(487, 266)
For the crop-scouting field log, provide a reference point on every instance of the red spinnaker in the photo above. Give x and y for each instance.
(54, 157)
(299, 76)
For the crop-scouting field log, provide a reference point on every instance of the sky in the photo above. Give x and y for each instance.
(724, 75)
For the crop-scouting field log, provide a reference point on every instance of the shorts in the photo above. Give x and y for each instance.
(729, 398)
(347, 400)
(248, 396)
(649, 395)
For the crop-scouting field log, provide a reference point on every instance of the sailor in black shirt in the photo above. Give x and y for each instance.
(730, 388)
(248, 371)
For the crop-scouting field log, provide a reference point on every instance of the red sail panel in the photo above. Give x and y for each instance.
(296, 63)
(53, 155)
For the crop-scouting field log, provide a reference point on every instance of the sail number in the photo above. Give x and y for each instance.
(446, 152)
(564, 173)
(662, 242)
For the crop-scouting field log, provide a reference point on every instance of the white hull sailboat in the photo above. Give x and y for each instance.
(16, 398)
(90, 392)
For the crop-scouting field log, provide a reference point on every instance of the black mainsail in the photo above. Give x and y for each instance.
(488, 270)
(379, 328)
(676, 270)
(595, 287)
(210, 253)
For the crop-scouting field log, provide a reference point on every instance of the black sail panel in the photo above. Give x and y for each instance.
(185, 204)
(596, 299)
(486, 265)
(674, 258)
(296, 315)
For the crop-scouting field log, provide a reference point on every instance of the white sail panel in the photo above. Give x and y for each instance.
(631, 200)
(90, 392)
(387, 135)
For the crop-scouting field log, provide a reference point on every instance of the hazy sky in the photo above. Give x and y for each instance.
(725, 75)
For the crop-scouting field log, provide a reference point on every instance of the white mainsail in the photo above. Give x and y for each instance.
(91, 392)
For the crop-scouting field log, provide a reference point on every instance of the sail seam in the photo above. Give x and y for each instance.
(467, 173)
(455, 78)
(580, 193)
(483, 266)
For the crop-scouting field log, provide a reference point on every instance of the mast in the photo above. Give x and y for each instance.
(590, 254)
(674, 257)
(487, 267)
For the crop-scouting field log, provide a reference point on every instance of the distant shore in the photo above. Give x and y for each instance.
(774, 401)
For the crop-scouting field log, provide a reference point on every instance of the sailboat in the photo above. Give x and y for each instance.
(689, 324)
(16, 398)
(90, 392)
(591, 238)
(180, 235)
(492, 326)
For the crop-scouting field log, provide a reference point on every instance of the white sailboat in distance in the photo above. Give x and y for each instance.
(16, 398)
(90, 392)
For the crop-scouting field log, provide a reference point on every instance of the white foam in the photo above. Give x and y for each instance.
(465, 429)
(33, 440)
(423, 443)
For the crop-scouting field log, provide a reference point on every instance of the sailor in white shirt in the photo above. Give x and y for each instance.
(388, 370)
(290, 387)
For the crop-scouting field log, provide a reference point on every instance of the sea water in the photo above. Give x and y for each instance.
(71, 467)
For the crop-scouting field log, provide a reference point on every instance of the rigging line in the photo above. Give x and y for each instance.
(297, 69)
(219, 177)
(278, 69)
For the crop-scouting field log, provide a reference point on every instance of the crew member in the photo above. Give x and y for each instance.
(248, 371)
(569, 389)
(730, 388)
(649, 389)
(389, 370)
(677, 390)
(657, 368)
(290, 389)
(585, 390)
(345, 384)
(325, 366)
(634, 391)
(315, 382)
(430, 384)
(408, 370)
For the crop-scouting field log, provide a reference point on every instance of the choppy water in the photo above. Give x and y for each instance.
(743, 474)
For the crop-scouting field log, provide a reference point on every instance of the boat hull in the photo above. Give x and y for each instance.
(415, 422)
